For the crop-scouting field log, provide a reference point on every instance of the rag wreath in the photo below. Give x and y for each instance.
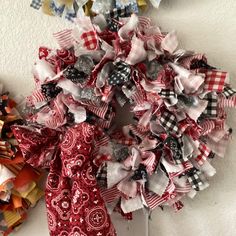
(178, 103)
(69, 9)
(18, 181)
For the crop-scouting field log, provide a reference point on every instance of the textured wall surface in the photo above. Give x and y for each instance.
(207, 26)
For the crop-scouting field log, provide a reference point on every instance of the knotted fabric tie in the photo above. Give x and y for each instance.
(73, 200)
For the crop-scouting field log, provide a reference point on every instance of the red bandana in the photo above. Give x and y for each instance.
(74, 204)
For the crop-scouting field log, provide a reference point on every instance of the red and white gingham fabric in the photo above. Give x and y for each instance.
(215, 80)
(90, 40)
(170, 42)
(205, 151)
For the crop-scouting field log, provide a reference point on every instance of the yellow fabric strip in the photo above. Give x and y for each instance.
(142, 4)
(46, 7)
(11, 217)
(66, 2)
(35, 195)
(1, 125)
(87, 8)
(26, 189)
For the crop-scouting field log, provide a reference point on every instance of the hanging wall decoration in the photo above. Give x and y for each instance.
(68, 9)
(18, 181)
(179, 124)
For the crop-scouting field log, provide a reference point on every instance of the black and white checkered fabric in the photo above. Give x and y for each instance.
(113, 25)
(169, 122)
(102, 176)
(112, 17)
(36, 4)
(194, 179)
(211, 155)
(121, 73)
(211, 110)
(228, 92)
(119, 12)
(167, 93)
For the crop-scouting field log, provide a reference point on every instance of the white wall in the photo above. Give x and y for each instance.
(203, 25)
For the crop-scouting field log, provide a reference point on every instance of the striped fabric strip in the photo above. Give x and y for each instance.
(184, 189)
(144, 22)
(15, 168)
(143, 129)
(37, 96)
(207, 126)
(105, 124)
(150, 161)
(154, 200)
(187, 165)
(137, 97)
(64, 38)
(11, 217)
(109, 195)
(100, 110)
(58, 114)
(103, 141)
(171, 187)
(158, 38)
(224, 102)
(136, 132)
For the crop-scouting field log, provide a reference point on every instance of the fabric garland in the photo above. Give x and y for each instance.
(69, 9)
(19, 188)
